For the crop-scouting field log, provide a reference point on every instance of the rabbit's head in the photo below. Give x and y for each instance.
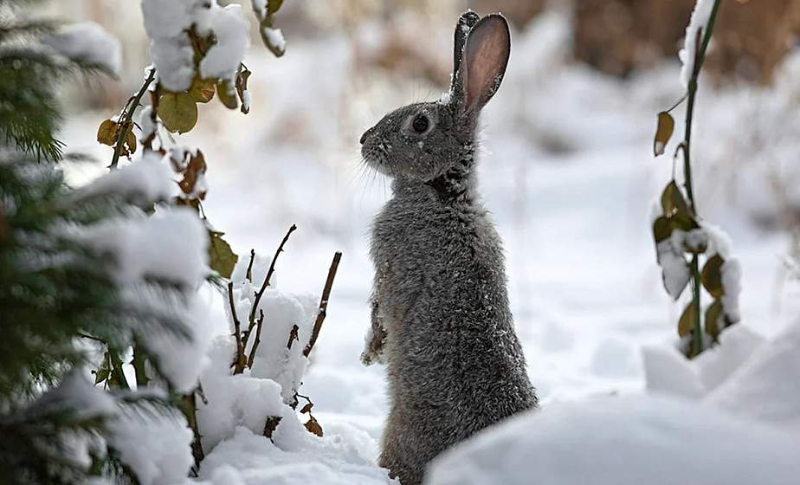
(422, 141)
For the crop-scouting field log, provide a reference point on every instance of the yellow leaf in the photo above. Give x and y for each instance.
(107, 133)
(666, 125)
(178, 111)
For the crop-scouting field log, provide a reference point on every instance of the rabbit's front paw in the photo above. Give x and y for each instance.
(374, 343)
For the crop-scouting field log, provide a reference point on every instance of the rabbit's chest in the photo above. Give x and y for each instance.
(426, 245)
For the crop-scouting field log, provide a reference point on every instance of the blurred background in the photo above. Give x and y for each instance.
(566, 166)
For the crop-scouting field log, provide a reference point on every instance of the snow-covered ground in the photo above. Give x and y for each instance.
(566, 168)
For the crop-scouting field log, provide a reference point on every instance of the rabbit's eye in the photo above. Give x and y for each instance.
(420, 123)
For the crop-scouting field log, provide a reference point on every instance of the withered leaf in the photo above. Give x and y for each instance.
(672, 200)
(202, 90)
(108, 132)
(713, 314)
(687, 321)
(306, 408)
(221, 256)
(712, 276)
(313, 426)
(662, 229)
(666, 125)
(195, 168)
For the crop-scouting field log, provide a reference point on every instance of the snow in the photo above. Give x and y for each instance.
(223, 58)
(142, 182)
(697, 25)
(766, 386)
(623, 440)
(156, 447)
(260, 7)
(234, 401)
(171, 245)
(89, 43)
(148, 128)
(667, 371)
(295, 457)
(166, 23)
(181, 358)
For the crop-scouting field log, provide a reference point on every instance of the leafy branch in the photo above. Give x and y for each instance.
(678, 232)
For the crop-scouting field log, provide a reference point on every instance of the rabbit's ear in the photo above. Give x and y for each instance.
(484, 63)
(463, 26)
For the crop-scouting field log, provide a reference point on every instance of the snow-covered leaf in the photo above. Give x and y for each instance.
(227, 95)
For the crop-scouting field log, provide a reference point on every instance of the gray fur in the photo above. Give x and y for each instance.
(441, 319)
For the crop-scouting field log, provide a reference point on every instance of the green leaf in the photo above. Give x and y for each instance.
(687, 321)
(713, 314)
(178, 111)
(672, 200)
(666, 125)
(222, 257)
(712, 276)
(662, 229)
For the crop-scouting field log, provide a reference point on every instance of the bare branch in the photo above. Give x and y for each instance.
(271, 270)
(249, 273)
(257, 340)
(238, 363)
(323, 303)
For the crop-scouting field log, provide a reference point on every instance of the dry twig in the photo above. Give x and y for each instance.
(323, 303)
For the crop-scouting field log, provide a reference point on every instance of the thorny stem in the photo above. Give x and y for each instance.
(697, 337)
(126, 122)
(323, 303)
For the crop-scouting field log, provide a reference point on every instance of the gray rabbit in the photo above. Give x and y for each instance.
(440, 315)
